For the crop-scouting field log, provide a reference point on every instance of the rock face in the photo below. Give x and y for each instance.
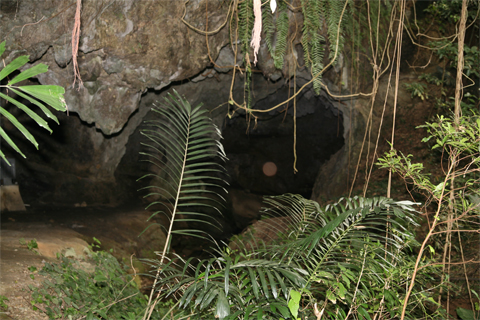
(126, 48)
(130, 53)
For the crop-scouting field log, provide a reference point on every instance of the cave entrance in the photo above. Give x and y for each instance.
(261, 156)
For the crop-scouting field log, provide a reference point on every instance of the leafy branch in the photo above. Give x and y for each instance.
(37, 95)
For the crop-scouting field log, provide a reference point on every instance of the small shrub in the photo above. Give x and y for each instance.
(105, 291)
(32, 245)
(3, 305)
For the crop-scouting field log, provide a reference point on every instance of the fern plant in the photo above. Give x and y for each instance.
(350, 258)
(190, 178)
(37, 95)
(313, 42)
(245, 19)
(276, 32)
(321, 16)
(356, 253)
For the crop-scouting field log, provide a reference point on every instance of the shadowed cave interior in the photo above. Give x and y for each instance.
(66, 171)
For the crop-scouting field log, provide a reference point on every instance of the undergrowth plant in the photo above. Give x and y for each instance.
(3, 305)
(455, 198)
(452, 192)
(350, 259)
(183, 145)
(97, 288)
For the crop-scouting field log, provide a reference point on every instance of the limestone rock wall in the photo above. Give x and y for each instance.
(130, 53)
(126, 48)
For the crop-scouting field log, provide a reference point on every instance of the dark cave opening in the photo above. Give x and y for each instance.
(250, 145)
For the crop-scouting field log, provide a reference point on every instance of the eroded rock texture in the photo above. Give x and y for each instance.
(126, 48)
(131, 52)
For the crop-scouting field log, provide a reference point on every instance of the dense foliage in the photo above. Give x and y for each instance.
(357, 258)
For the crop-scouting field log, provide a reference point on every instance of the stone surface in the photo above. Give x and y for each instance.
(11, 199)
(126, 47)
(245, 207)
(130, 53)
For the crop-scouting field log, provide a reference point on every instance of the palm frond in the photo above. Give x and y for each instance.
(252, 286)
(182, 144)
(37, 95)
(346, 246)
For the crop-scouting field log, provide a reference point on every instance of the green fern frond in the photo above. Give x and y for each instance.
(333, 14)
(312, 40)
(317, 54)
(246, 20)
(268, 27)
(281, 43)
(276, 32)
(182, 144)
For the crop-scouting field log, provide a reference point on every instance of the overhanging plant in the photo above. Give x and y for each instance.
(38, 95)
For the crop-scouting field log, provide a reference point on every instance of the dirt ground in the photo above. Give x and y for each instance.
(59, 230)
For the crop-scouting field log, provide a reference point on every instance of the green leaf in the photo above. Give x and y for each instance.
(295, 296)
(31, 72)
(4, 135)
(222, 308)
(273, 285)
(2, 48)
(294, 303)
(260, 314)
(100, 278)
(341, 290)
(263, 281)
(4, 158)
(282, 284)
(42, 123)
(50, 94)
(331, 296)
(253, 281)
(12, 66)
(364, 313)
(18, 125)
(227, 275)
(465, 314)
(283, 310)
(45, 110)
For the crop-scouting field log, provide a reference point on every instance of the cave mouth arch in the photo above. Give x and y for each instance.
(249, 145)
